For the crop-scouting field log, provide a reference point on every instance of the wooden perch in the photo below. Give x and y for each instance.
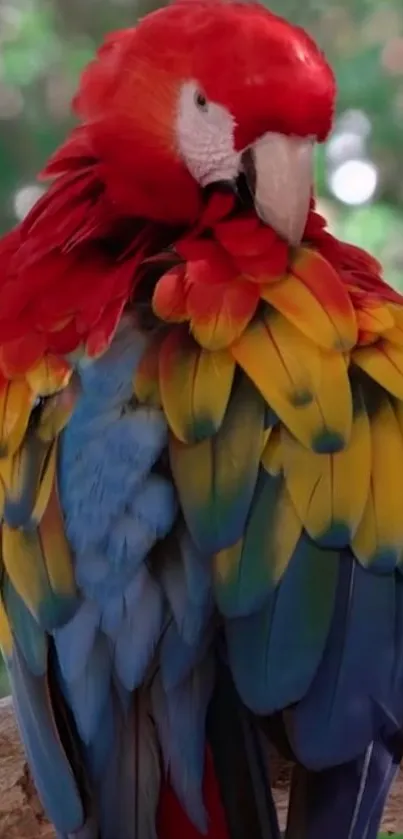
(21, 815)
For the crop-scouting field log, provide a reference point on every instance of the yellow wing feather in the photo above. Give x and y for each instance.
(46, 483)
(378, 541)
(272, 457)
(383, 362)
(35, 556)
(330, 491)
(23, 561)
(24, 484)
(146, 382)
(195, 387)
(6, 638)
(57, 411)
(395, 333)
(55, 547)
(16, 403)
(307, 388)
(215, 478)
(50, 375)
(297, 303)
(244, 574)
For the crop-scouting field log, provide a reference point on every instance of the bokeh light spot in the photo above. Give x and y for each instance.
(25, 198)
(354, 182)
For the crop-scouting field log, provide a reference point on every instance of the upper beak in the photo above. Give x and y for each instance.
(279, 172)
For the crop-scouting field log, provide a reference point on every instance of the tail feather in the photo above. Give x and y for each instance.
(345, 802)
(53, 775)
(241, 764)
(335, 721)
(174, 823)
(130, 786)
(89, 831)
(180, 714)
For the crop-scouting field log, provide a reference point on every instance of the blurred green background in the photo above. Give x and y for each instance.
(45, 43)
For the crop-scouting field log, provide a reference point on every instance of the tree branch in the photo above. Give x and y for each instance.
(21, 815)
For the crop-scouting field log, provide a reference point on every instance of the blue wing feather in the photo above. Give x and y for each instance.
(185, 577)
(52, 772)
(335, 722)
(99, 749)
(140, 629)
(344, 801)
(180, 715)
(115, 510)
(177, 658)
(112, 615)
(274, 653)
(88, 694)
(29, 636)
(75, 640)
(197, 569)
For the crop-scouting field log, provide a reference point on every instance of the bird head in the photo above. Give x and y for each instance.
(202, 93)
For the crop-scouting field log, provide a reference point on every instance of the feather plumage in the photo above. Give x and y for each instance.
(27, 633)
(180, 715)
(352, 797)
(215, 479)
(378, 541)
(6, 637)
(297, 380)
(57, 411)
(49, 376)
(306, 312)
(275, 652)
(74, 641)
(130, 787)
(139, 630)
(53, 774)
(320, 277)
(240, 759)
(185, 576)
(35, 551)
(246, 573)
(98, 654)
(335, 721)
(330, 491)
(195, 387)
(272, 456)
(28, 477)
(26, 566)
(16, 403)
(218, 318)
(146, 382)
(253, 367)
(383, 362)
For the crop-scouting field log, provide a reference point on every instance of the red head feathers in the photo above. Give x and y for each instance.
(255, 72)
(167, 109)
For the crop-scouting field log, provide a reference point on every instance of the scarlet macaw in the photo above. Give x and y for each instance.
(201, 452)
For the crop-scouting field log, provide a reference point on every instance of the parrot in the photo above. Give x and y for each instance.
(201, 452)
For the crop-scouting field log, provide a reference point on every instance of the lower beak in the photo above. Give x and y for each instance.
(279, 172)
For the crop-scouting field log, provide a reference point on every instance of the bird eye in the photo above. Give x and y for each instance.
(201, 101)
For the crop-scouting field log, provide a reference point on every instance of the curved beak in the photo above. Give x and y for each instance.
(279, 173)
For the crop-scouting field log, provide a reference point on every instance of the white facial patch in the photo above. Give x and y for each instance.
(205, 133)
